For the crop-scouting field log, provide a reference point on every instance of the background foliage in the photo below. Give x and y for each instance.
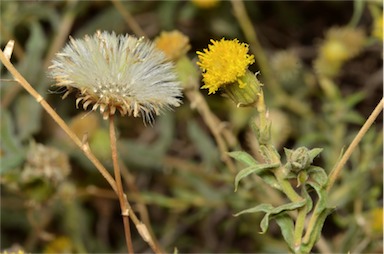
(54, 201)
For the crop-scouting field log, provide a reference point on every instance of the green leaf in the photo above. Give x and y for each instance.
(314, 152)
(267, 208)
(318, 175)
(353, 99)
(270, 179)
(285, 223)
(13, 153)
(204, 144)
(149, 155)
(271, 211)
(306, 247)
(28, 116)
(288, 152)
(307, 197)
(253, 169)
(353, 117)
(243, 157)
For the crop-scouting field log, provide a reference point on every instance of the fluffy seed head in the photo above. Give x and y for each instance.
(117, 73)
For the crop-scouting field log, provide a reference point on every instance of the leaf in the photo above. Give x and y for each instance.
(271, 211)
(28, 116)
(285, 223)
(353, 99)
(314, 152)
(31, 64)
(306, 247)
(288, 153)
(307, 197)
(270, 179)
(318, 175)
(243, 157)
(257, 169)
(204, 144)
(259, 208)
(12, 152)
(149, 155)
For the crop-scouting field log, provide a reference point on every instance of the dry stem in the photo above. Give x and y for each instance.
(339, 166)
(119, 185)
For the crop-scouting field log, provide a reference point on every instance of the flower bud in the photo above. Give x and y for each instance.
(298, 159)
(245, 91)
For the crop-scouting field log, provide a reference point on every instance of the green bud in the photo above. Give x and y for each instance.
(299, 159)
(245, 91)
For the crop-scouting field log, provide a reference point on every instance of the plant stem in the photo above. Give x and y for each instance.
(119, 185)
(339, 166)
(299, 226)
(83, 146)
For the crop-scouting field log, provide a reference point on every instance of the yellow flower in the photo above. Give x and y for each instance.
(223, 63)
(61, 244)
(174, 44)
(340, 45)
(205, 4)
(377, 30)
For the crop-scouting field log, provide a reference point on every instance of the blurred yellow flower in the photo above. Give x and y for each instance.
(377, 30)
(61, 244)
(340, 45)
(174, 44)
(205, 4)
(223, 63)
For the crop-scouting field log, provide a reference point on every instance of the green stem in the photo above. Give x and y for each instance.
(286, 185)
(299, 226)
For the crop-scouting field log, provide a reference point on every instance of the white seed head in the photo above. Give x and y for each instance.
(117, 72)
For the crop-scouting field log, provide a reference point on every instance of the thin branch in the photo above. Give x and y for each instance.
(339, 166)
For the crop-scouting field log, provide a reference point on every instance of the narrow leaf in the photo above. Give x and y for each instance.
(315, 152)
(243, 157)
(318, 175)
(252, 169)
(288, 207)
(270, 179)
(287, 229)
(306, 247)
(259, 208)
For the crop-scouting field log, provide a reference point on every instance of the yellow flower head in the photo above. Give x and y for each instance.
(174, 44)
(223, 63)
(205, 4)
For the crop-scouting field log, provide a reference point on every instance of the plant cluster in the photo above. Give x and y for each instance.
(186, 128)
